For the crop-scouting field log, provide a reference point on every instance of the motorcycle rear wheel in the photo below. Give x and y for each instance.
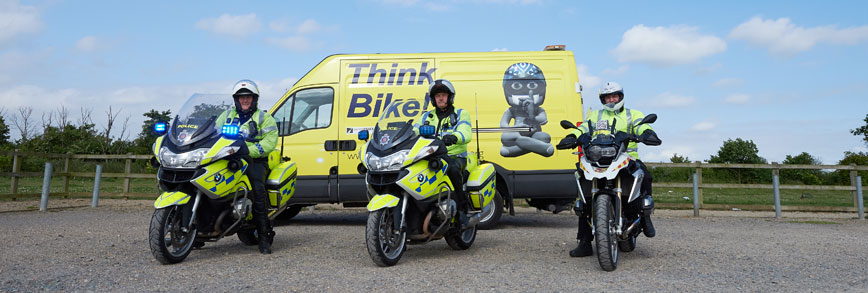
(384, 243)
(461, 240)
(604, 234)
(168, 242)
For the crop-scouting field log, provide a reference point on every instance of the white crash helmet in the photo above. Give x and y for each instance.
(611, 88)
(245, 87)
(441, 86)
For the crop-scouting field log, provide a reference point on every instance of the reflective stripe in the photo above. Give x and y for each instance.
(462, 122)
(629, 121)
(631, 150)
(261, 150)
(462, 137)
(261, 117)
(269, 129)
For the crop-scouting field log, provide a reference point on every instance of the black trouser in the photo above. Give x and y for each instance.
(256, 173)
(454, 170)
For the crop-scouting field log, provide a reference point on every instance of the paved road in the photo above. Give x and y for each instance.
(105, 249)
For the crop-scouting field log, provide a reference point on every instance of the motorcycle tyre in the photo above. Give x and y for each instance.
(377, 220)
(157, 233)
(491, 220)
(606, 240)
(461, 240)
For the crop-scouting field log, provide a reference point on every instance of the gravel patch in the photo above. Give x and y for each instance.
(75, 248)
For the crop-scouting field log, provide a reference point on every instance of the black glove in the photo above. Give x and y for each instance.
(568, 142)
(449, 139)
(252, 132)
(584, 139)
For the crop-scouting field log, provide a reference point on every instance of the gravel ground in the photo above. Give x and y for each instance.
(76, 248)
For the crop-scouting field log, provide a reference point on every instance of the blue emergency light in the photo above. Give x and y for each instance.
(160, 127)
(426, 130)
(230, 130)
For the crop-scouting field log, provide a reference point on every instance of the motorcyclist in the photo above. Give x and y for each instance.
(453, 126)
(614, 113)
(260, 133)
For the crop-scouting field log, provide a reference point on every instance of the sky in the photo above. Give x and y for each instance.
(792, 76)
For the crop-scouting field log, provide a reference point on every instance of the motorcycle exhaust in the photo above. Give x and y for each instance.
(475, 218)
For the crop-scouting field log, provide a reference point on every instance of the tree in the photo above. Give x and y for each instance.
(4, 130)
(804, 176)
(863, 131)
(842, 177)
(740, 151)
(142, 143)
(679, 159)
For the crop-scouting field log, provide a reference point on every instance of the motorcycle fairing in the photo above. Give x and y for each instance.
(157, 144)
(422, 182)
(382, 201)
(281, 183)
(216, 148)
(218, 181)
(171, 198)
(481, 182)
(610, 172)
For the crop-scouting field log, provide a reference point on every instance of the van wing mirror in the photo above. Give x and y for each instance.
(568, 125)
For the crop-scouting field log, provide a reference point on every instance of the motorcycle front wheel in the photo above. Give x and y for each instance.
(385, 244)
(604, 234)
(169, 240)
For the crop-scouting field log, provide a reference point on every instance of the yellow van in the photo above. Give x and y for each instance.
(515, 99)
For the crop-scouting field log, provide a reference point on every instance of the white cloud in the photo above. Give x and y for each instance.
(587, 80)
(670, 100)
(312, 26)
(279, 26)
(708, 69)
(235, 26)
(17, 19)
(666, 46)
(739, 99)
(499, 50)
(782, 37)
(703, 126)
(294, 43)
(618, 71)
(87, 44)
(728, 82)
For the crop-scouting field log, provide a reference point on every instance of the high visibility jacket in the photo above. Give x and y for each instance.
(266, 130)
(624, 120)
(457, 124)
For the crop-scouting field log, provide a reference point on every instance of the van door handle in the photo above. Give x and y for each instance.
(331, 145)
(347, 145)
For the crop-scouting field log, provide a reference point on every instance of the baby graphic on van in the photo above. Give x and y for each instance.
(524, 87)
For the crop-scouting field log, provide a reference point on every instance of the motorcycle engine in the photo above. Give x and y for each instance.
(242, 208)
(447, 209)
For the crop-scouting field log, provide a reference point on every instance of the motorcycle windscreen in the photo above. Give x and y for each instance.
(197, 119)
(392, 128)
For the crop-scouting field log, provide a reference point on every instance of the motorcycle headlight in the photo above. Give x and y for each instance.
(189, 159)
(425, 151)
(391, 162)
(595, 153)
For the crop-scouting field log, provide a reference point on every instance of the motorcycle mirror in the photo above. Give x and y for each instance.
(650, 118)
(363, 135)
(426, 130)
(567, 124)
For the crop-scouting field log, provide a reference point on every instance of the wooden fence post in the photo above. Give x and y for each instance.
(66, 175)
(699, 181)
(127, 169)
(16, 167)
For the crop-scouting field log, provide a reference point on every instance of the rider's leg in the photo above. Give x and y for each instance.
(647, 204)
(456, 166)
(584, 236)
(256, 174)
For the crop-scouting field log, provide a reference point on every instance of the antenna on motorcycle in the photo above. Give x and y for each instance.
(476, 104)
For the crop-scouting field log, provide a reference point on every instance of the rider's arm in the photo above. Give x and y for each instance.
(463, 129)
(267, 138)
(637, 117)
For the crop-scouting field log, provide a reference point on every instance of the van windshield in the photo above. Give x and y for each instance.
(392, 128)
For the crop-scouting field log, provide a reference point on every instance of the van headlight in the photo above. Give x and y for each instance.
(189, 159)
(391, 162)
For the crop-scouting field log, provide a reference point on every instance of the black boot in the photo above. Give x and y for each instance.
(585, 237)
(265, 234)
(647, 210)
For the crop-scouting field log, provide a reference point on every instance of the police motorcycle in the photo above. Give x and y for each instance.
(605, 173)
(411, 197)
(206, 194)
